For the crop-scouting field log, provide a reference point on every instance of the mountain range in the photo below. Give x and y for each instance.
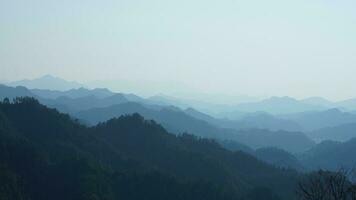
(341, 133)
(92, 110)
(124, 142)
(47, 82)
(85, 104)
(272, 105)
(251, 131)
(123, 158)
(327, 118)
(178, 122)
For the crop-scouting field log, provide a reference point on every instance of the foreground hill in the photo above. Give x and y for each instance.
(178, 122)
(46, 155)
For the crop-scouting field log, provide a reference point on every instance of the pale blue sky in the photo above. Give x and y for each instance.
(298, 48)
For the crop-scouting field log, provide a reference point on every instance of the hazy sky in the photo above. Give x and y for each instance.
(278, 47)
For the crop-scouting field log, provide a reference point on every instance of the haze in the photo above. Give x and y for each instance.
(257, 48)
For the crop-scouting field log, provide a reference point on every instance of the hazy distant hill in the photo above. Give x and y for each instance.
(340, 133)
(318, 101)
(275, 106)
(99, 93)
(232, 114)
(264, 120)
(12, 92)
(167, 100)
(73, 100)
(73, 93)
(278, 105)
(258, 120)
(349, 104)
(200, 115)
(47, 82)
(214, 109)
(288, 105)
(86, 102)
(327, 118)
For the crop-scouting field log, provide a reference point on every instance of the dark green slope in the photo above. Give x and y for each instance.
(189, 157)
(47, 155)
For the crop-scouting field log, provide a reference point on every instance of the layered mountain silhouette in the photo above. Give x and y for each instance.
(84, 103)
(79, 100)
(318, 101)
(349, 104)
(92, 109)
(273, 105)
(258, 120)
(288, 106)
(47, 155)
(73, 100)
(73, 93)
(47, 82)
(339, 133)
(124, 143)
(278, 105)
(178, 122)
(327, 118)
(13, 92)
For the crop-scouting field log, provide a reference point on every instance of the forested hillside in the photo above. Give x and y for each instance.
(47, 155)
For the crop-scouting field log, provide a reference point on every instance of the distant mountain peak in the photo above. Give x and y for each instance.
(280, 99)
(278, 105)
(317, 101)
(48, 76)
(49, 82)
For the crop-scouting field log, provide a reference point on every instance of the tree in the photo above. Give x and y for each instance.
(352, 192)
(326, 185)
(6, 101)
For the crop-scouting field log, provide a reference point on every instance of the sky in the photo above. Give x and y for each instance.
(297, 48)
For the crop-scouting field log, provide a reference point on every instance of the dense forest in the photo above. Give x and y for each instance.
(48, 155)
